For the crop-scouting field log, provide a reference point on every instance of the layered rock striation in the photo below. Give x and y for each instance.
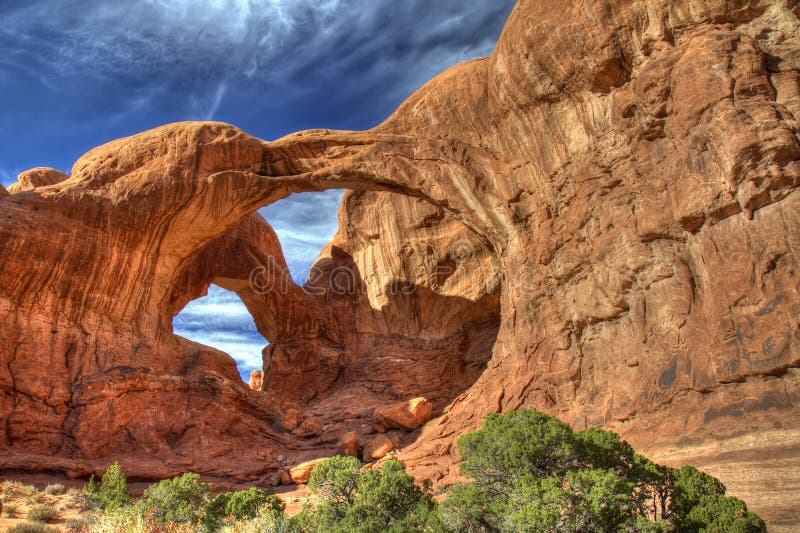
(601, 221)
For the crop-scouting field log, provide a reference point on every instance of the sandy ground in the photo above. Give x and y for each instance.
(18, 499)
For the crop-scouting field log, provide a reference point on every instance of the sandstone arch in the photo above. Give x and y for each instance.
(639, 196)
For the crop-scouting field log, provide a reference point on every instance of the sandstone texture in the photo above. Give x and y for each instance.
(37, 177)
(407, 416)
(600, 221)
(376, 448)
(349, 445)
(302, 472)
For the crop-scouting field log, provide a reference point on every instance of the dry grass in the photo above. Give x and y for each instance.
(23, 503)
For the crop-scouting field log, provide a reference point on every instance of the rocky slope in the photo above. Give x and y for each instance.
(599, 221)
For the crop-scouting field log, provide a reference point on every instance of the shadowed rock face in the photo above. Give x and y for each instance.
(622, 175)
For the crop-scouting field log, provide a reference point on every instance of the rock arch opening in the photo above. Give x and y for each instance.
(299, 227)
(220, 320)
(403, 301)
(305, 223)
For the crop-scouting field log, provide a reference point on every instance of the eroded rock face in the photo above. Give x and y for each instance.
(376, 448)
(37, 177)
(407, 416)
(302, 472)
(624, 176)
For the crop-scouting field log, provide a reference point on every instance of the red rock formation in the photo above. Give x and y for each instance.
(407, 416)
(376, 448)
(302, 472)
(625, 177)
(348, 445)
(37, 177)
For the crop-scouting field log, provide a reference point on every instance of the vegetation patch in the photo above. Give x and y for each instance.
(42, 513)
(528, 473)
(32, 527)
(55, 490)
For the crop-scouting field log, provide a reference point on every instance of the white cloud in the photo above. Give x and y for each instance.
(205, 106)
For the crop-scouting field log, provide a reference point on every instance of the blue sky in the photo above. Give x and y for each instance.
(77, 73)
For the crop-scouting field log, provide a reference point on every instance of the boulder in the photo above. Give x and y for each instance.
(301, 473)
(348, 445)
(291, 418)
(408, 415)
(376, 448)
(310, 427)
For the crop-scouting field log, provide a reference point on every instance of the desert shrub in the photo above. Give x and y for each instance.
(261, 524)
(42, 513)
(520, 443)
(10, 510)
(92, 489)
(239, 505)
(112, 492)
(77, 525)
(31, 527)
(699, 504)
(17, 489)
(55, 489)
(129, 519)
(76, 499)
(356, 499)
(532, 473)
(179, 500)
(336, 480)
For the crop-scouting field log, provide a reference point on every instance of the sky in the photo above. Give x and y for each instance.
(75, 74)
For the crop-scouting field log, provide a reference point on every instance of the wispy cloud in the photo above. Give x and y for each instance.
(222, 321)
(205, 106)
(269, 48)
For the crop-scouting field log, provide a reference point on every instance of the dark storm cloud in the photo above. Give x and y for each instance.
(77, 73)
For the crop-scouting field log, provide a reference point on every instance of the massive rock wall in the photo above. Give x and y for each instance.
(624, 172)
